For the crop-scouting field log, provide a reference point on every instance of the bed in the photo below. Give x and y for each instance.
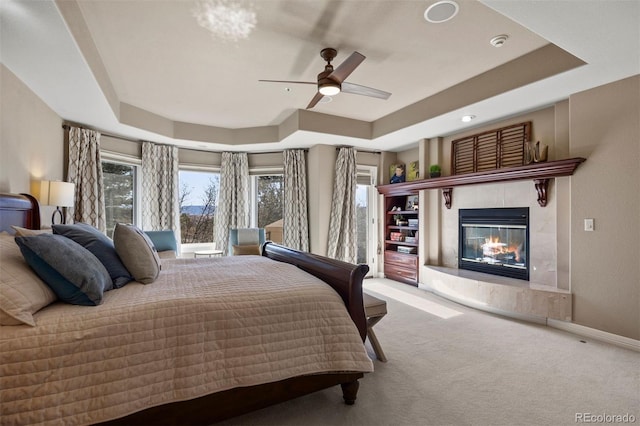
(185, 350)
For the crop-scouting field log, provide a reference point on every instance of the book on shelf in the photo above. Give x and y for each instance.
(406, 250)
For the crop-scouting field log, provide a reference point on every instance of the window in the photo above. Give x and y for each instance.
(198, 201)
(267, 203)
(362, 222)
(119, 193)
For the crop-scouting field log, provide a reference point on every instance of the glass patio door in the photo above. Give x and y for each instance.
(366, 218)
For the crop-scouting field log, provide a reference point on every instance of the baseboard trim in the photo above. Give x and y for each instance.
(595, 334)
(482, 307)
(580, 330)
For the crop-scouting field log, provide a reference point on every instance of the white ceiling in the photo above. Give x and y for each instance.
(145, 70)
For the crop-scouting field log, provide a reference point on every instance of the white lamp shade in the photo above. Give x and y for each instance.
(61, 194)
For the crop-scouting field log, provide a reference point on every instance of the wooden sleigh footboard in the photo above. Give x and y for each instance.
(223, 405)
(346, 279)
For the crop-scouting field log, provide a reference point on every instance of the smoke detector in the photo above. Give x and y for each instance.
(499, 40)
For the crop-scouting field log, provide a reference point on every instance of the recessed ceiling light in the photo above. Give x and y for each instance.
(468, 118)
(499, 40)
(441, 11)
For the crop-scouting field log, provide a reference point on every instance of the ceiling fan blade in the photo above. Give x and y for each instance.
(356, 89)
(315, 100)
(293, 82)
(347, 67)
(320, 29)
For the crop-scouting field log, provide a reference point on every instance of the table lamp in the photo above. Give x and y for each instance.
(59, 194)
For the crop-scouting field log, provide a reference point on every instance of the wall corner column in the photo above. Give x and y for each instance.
(320, 159)
(430, 205)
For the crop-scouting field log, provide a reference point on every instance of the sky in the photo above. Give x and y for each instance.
(198, 181)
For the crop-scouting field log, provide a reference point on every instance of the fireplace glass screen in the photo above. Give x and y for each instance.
(495, 241)
(495, 245)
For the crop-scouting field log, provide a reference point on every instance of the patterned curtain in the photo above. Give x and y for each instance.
(160, 202)
(296, 223)
(233, 201)
(85, 171)
(342, 222)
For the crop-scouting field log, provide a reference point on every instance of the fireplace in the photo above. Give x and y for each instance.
(494, 241)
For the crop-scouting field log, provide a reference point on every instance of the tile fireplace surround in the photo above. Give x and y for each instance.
(547, 293)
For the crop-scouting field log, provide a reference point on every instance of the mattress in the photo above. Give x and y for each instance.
(204, 326)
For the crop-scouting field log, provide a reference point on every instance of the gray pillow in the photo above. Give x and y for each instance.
(137, 252)
(101, 246)
(74, 274)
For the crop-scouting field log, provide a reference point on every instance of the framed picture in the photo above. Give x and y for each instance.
(413, 171)
(412, 202)
(397, 173)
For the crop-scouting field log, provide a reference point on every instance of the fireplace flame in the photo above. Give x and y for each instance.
(493, 248)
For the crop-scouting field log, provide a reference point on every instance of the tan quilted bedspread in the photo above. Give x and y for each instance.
(205, 325)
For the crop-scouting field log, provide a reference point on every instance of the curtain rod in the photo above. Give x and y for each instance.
(68, 127)
(359, 150)
(281, 151)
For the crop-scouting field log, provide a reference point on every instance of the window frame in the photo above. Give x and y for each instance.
(190, 248)
(136, 164)
(373, 223)
(253, 190)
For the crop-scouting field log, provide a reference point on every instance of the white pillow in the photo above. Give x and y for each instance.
(22, 292)
(26, 232)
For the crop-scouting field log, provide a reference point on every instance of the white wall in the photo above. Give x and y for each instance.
(31, 140)
(605, 271)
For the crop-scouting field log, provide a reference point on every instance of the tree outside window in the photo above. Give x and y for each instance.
(269, 200)
(119, 184)
(362, 228)
(198, 198)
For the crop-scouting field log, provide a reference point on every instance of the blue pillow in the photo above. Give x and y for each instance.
(101, 246)
(74, 274)
(163, 240)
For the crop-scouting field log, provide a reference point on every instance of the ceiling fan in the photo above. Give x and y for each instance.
(331, 81)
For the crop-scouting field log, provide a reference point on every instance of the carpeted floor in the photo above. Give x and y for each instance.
(453, 365)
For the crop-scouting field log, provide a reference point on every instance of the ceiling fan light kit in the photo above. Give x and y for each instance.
(331, 81)
(329, 89)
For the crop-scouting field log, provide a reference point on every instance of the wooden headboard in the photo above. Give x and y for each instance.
(20, 210)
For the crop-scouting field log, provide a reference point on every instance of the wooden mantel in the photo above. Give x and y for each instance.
(540, 173)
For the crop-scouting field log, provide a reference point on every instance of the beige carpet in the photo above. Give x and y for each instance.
(452, 365)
